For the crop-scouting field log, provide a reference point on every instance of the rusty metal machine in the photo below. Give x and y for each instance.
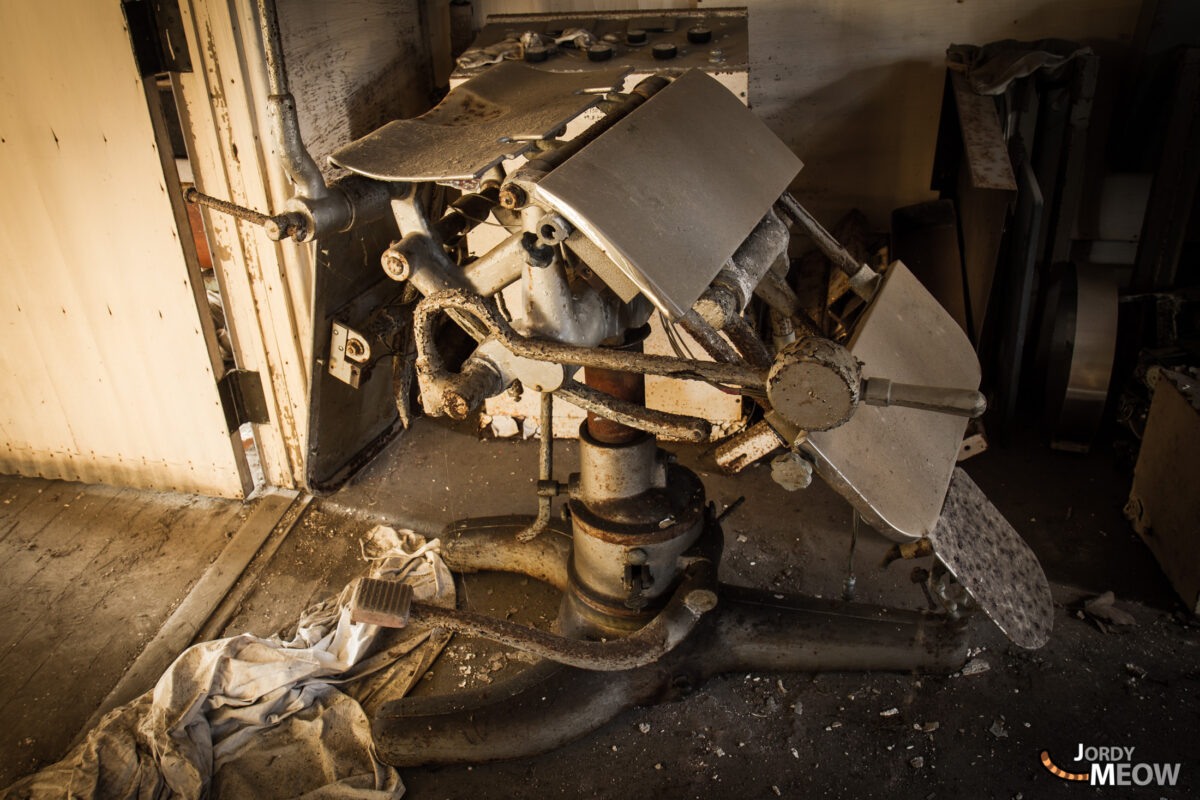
(631, 181)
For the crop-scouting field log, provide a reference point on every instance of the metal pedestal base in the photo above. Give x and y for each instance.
(550, 705)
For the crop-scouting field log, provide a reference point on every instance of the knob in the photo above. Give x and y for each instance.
(664, 50)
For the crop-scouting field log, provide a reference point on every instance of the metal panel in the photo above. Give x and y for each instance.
(672, 190)
(496, 115)
(894, 464)
(987, 555)
(107, 375)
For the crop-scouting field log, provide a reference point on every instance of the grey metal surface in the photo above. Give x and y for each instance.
(727, 51)
(894, 464)
(672, 190)
(493, 116)
(992, 561)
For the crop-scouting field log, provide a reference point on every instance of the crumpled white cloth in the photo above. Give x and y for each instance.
(259, 717)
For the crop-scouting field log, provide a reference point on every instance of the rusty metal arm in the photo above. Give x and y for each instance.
(430, 364)
(659, 423)
(863, 279)
(695, 596)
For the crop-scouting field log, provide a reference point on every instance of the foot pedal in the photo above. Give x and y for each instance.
(383, 602)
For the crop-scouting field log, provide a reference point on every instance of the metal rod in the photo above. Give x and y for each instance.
(196, 197)
(708, 338)
(958, 402)
(822, 238)
(545, 470)
(659, 423)
(430, 364)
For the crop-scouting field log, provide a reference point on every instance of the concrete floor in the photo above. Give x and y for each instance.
(799, 735)
(90, 573)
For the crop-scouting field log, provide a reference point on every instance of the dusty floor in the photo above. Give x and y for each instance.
(90, 573)
(802, 735)
(796, 735)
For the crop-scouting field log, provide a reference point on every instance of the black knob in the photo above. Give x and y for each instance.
(536, 53)
(600, 52)
(699, 35)
(635, 36)
(664, 50)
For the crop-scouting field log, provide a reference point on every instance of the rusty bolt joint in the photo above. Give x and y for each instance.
(513, 197)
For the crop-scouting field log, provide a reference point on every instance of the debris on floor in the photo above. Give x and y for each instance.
(248, 716)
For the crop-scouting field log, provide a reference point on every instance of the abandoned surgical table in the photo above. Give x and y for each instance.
(673, 201)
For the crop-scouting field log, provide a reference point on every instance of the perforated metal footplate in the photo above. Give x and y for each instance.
(991, 560)
(382, 602)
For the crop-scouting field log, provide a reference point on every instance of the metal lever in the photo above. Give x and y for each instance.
(863, 280)
(279, 227)
(959, 402)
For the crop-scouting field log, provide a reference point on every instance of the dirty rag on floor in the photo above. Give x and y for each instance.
(261, 717)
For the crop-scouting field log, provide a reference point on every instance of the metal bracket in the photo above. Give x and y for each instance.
(349, 351)
(242, 397)
(156, 33)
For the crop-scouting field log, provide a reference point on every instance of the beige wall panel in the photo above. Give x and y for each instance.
(106, 374)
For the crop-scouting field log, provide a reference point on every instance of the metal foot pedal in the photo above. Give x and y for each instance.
(378, 601)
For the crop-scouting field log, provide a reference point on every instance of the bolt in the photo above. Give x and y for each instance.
(354, 349)
(512, 196)
(395, 265)
(700, 601)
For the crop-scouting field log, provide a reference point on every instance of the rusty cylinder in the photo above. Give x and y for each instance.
(630, 386)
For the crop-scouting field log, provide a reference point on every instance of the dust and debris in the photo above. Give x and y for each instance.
(976, 666)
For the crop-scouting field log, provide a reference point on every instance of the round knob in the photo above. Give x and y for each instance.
(635, 36)
(600, 52)
(536, 54)
(699, 35)
(664, 50)
(814, 384)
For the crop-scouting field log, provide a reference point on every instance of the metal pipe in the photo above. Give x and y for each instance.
(285, 124)
(498, 267)
(548, 706)
(694, 597)
(659, 423)
(430, 363)
(488, 545)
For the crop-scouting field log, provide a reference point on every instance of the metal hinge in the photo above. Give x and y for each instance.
(242, 397)
(156, 32)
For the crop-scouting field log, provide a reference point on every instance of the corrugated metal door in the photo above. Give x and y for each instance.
(106, 367)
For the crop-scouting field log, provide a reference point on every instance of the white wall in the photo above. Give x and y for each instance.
(106, 368)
